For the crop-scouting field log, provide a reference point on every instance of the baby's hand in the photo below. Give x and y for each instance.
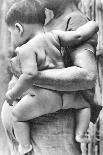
(9, 99)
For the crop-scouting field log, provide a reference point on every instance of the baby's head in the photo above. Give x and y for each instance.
(23, 20)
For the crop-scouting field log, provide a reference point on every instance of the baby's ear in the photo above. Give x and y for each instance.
(19, 27)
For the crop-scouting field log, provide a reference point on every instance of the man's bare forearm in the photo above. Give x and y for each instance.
(66, 79)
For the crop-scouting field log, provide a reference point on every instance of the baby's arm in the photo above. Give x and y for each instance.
(83, 33)
(29, 71)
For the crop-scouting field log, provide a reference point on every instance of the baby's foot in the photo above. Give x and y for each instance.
(24, 149)
(82, 139)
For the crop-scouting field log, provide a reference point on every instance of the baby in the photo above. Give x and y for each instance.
(38, 50)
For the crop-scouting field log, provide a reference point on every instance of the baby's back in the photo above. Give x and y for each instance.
(48, 51)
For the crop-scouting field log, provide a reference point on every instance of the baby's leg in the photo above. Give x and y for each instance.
(22, 133)
(82, 121)
(32, 106)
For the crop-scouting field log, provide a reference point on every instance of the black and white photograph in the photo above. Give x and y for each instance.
(51, 77)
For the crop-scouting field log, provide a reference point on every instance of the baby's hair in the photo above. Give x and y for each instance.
(25, 11)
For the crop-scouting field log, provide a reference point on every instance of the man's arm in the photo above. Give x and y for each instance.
(72, 38)
(80, 76)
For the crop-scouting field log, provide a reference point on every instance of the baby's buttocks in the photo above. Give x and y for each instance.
(47, 97)
(74, 100)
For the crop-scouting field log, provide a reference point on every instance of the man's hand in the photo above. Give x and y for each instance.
(9, 99)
